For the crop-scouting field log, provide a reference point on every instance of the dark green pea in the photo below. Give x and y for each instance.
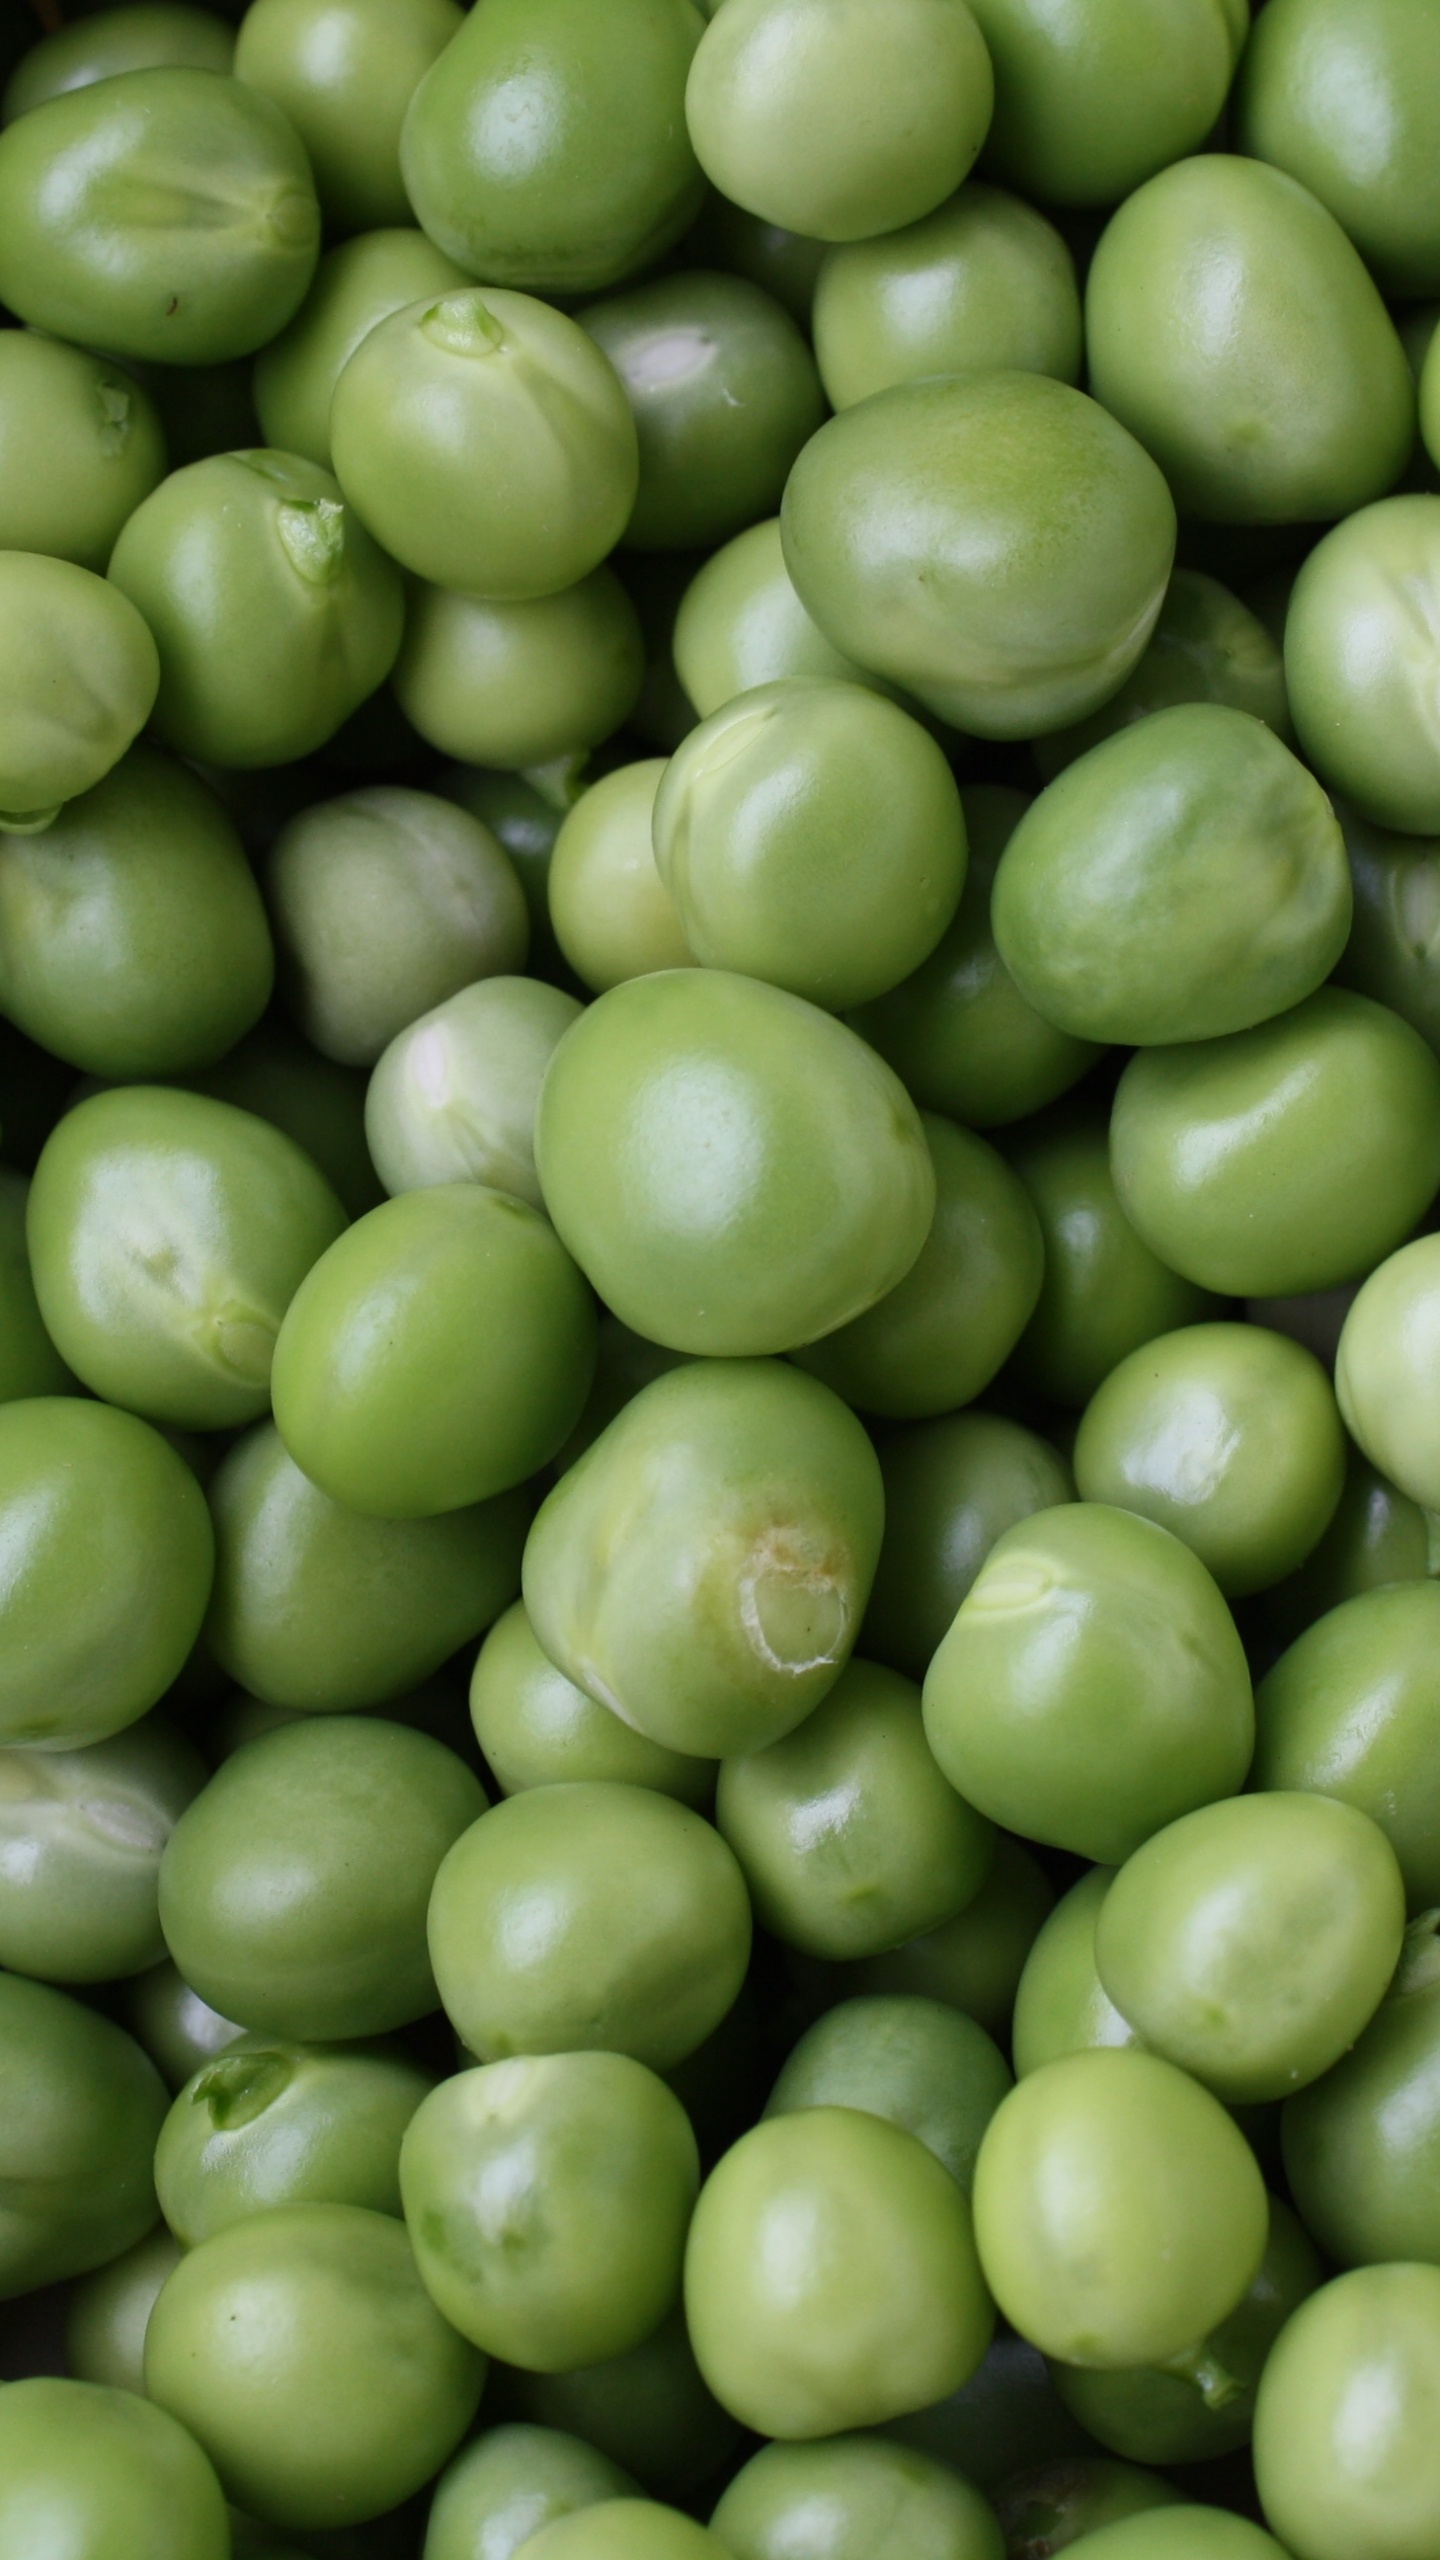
(135, 941)
(1360, 658)
(1149, 2415)
(1343, 98)
(149, 36)
(958, 1032)
(1376, 1535)
(741, 624)
(1043, 2511)
(1086, 1622)
(611, 913)
(525, 814)
(1285, 1158)
(783, 263)
(220, 1213)
(279, 1077)
(1394, 944)
(30, 1365)
(916, 2062)
(507, 2484)
(80, 443)
(487, 1344)
(81, 1838)
(649, 2410)
(162, 213)
(537, 1729)
(1206, 647)
(1346, 2458)
(109, 1559)
(270, 2122)
(109, 2312)
(274, 612)
(344, 71)
(79, 674)
(516, 685)
(453, 1097)
(853, 2498)
(1362, 2146)
(974, 1962)
(1061, 2005)
(356, 286)
(293, 1894)
(302, 2351)
(80, 2108)
(646, 1926)
(952, 1487)
(82, 2466)
(178, 2029)
(627, 1362)
(1090, 101)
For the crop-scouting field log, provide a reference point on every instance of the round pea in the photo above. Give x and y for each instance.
(516, 685)
(1061, 2005)
(270, 2122)
(79, 672)
(611, 912)
(508, 2484)
(143, 36)
(1362, 2146)
(109, 2311)
(537, 1729)
(974, 1962)
(82, 2466)
(1343, 98)
(1360, 661)
(1347, 2459)
(453, 1097)
(80, 441)
(1383, 1371)
(356, 286)
(1206, 647)
(1349, 1712)
(344, 72)
(178, 2029)
(853, 2498)
(625, 2529)
(80, 2107)
(741, 625)
(1088, 102)
(589, 1916)
(81, 1838)
(952, 1487)
(30, 1365)
(917, 2063)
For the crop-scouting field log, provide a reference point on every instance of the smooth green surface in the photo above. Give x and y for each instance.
(974, 1962)
(80, 2107)
(78, 679)
(537, 1729)
(344, 72)
(84, 2469)
(356, 286)
(917, 2063)
(140, 36)
(741, 624)
(271, 2122)
(1360, 656)
(1394, 940)
(1185, 2533)
(1206, 647)
(1061, 2005)
(81, 1838)
(625, 2529)
(80, 443)
(611, 913)
(1346, 2451)
(1349, 1712)
(1344, 99)
(108, 2313)
(516, 685)
(853, 2498)
(952, 1488)
(178, 2029)
(1362, 2147)
(1384, 1365)
(453, 1096)
(1377, 1534)
(509, 2483)
(1093, 95)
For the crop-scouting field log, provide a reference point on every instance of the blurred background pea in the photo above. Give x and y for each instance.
(1086, 109)
(147, 35)
(952, 1487)
(82, 2109)
(1207, 646)
(741, 624)
(344, 72)
(914, 2061)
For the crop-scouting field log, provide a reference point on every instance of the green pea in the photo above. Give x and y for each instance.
(1119, 2213)
(83, 2466)
(109, 2311)
(625, 2529)
(1346, 2455)
(589, 1917)
(608, 179)
(30, 1365)
(1089, 101)
(1430, 401)
(741, 625)
(135, 940)
(78, 678)
(1086, 1622)
(1342, 98)
(270, 2122)
(1061, 2005)
(1376, 1535)
(524, 812)
(508, 2484)
(982, 285)
(831, 2279)
(167, 213)
(168, 1234)
(1228, 1435)
(853, 2498)
(919, 2064)
(951, 1488)
(356, 286)
(1151, 2414)
(612, 915)
(302, 2351)
(771, 103)
(751, 1503)
(649, 2410)
(1044, 2510)
(1360, 660)
(81, 1836)
(80, 442)
(141, 37)
(1184, 2533)
(734, 1171)
(1362, 2146)
(344, 76)
(1347, 1713)
(453, 1097)
(178, 2029)
(537, 1729)
(1383, 1370)
(517, 685)
(1206, 647)
(293, 1893)
(81, 2109)
(999, 545)
(1286, 1158)
(1395, 936)
(109, 1556)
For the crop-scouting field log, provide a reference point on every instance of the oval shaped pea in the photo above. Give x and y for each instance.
(520, 684)
(83, 2465)
(1360, 661)
(508, 2484)
(80, 441)
(1346, 2458)
(453, 1097)
(109, 2313)
(952, 1487)
(1362, 2146)
(1061, 2004)
(1089, 103)
(344, 75)
(537, 1729)
(80, 2107)
(1384, 1369)
(612, 915)
(1343, 98)
(845, 2497)
(741, 624)
(271, 2122)
(928, 2068)
(356, 286)
(81, 1838)
(79, 672)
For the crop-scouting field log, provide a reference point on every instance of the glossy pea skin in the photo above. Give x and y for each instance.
(751, 1502)
(344, 72)
(1061, 2005)
(741, 624)
(386, 901)
(952, 1487)
(79, 674)
(80, 446)
(1346, 2457)
(516, 685)
(547, 2199)
(1350, 1710)
(998, 545)
(487, 1335)
(625, 2529)
(853, 2498)
(1082, 1622)
(293, 1894)
(82, 2467)
(974, 1962)
(647, 1926)
(811, 834)
(1286, 398)
(1119, 2213)
(177, 2029)
(510, 2482)
(1342, 98)
(1044, 2509)
(770, 103)
(109, 2311)
(1091, 98)
(90, 1501)
(733, 1170)
(81, 1837)
(1360, 660)
(1394, 940)
(166, 213)
(611, 913)
(275, 614)
(649, 2410)
(915, 2062)
(453, 1096)
(1227, 1434)
(131, 38)
(831, 2279)
(30, 1365)
(1183, 879)
(1206, 647)
(357, 285)
(302, 2351)
(168, 1234)
(1290, 1157)
(1383, 1371)
(135, 939)
(82, 2107)
(609, 178)
(272, 2122)
(537, 1729)
(1362, 2146)
(848, 1836)
(982, 285)
(1251, 1942)
(1151, 2414)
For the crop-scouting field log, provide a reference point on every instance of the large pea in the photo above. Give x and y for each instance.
(1088, 102)
(952, 1487)
(1347, 2457)
(82, 2107)
(537, 1729)
(1361, 661)
(453, 1097)
(356, 286)
(853, 2498)
(1344, 99)
(913, 2061)
(81, 2466)
(79, 672)
(80, 446)
(271, 2122)
(344, 75)
(1349, 1712)
(81, 1838)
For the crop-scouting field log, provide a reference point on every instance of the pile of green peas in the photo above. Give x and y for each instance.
(719, 1280)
